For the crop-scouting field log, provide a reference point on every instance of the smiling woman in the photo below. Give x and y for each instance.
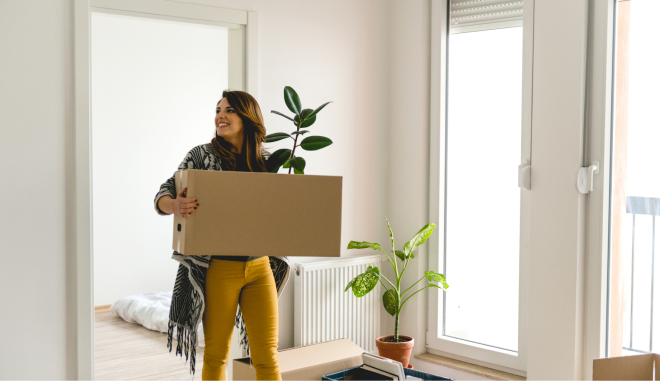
(228, 125)
(239, 129)
(251, 282)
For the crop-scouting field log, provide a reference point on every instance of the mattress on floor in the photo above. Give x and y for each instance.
(151, 310)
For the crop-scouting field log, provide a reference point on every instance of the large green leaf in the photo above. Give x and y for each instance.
(350, 284)
(276, 137)
(309, 121)
(400, 254)
(273, 168)
(365, 282)
(432, 276)
(391, 234)
(292, 100)
(304, 115)
(313, 143)
(363, 245)
(390, 302)
(418, 240)
(277, 158)
(298, 163)
(318, 109)
(280, 114)
(280, 155)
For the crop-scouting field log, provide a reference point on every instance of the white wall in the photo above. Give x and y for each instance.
(155, 84)
(410, 57)
(332, 51)
(36, 100)
(369, 57)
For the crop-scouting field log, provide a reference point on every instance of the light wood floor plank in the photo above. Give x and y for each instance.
(128, 351)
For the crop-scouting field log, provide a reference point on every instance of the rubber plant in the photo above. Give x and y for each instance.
(302, 119)
(393, 298)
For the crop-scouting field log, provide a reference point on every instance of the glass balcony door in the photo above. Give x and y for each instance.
(634, 317)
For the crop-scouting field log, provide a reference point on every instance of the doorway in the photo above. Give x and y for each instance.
(156, 72)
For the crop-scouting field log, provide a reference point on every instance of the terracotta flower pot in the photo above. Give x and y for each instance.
(396, 351)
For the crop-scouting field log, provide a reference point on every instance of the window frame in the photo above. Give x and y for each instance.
(600, 124)
(437, 343)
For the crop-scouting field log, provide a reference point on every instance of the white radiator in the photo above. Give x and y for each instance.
(323, 311)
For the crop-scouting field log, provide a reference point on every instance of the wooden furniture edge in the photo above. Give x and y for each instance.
(467, 367)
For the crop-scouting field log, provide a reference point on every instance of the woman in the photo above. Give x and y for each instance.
(213, 286)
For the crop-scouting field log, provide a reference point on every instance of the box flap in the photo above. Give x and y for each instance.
(317, 372)
(625, 368)
(317, 354)
(308, 362)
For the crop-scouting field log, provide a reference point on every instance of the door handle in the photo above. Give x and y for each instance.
(525, 175)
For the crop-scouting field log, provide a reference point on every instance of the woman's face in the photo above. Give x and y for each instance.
(228, 124)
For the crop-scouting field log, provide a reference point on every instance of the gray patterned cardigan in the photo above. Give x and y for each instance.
(189, 288)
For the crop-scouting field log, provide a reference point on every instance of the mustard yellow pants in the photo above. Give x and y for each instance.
(252, 286)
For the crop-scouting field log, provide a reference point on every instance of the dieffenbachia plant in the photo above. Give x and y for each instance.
(303, 118)
(393, 298)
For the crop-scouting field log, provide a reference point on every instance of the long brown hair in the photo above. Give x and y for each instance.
(254, 133)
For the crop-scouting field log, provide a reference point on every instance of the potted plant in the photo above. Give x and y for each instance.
(303, 118)
(396, 347)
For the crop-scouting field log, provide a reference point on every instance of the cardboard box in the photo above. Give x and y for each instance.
(310, 362)
(628, 367)
(255, 214)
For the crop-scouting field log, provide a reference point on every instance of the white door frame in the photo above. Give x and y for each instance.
(599, 126)
(243, 65)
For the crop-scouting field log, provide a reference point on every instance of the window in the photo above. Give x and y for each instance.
(485, 74)
(634, 319)
(483, 138)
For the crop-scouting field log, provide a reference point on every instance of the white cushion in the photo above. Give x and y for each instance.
(151, 310)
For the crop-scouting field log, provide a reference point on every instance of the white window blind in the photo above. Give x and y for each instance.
(477, 15)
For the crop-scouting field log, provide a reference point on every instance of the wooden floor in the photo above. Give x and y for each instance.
(128, 351)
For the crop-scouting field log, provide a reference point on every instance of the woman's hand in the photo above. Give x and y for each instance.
(184, 206)
(180, 205)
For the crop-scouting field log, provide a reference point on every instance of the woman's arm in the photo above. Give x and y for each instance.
(165, 200)
(165, 204)
(167, 190)
(182, 206)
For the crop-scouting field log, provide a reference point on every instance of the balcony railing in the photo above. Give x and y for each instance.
(641, 281)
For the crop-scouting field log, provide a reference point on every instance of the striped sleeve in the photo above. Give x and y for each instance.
(193, 160)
